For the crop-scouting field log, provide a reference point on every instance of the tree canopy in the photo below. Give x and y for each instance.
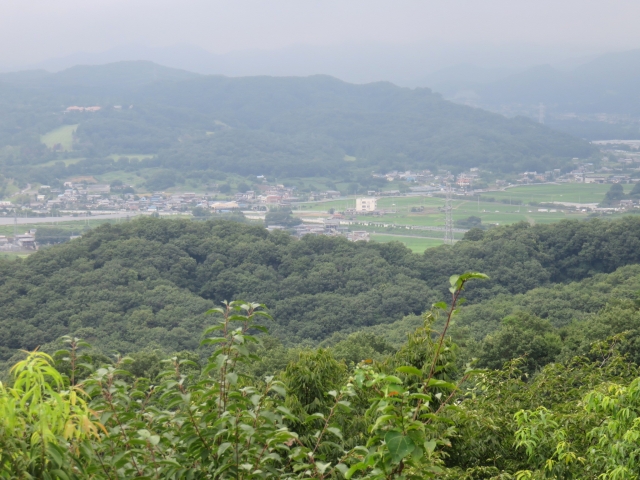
(147, 282)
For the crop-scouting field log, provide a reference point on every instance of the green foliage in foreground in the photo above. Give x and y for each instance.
(219, 423)
(412, 415)
(556, 323)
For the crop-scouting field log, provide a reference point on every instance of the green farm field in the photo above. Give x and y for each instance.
(62, 136)
(539, 193)
(72, 227)
(562, 192)
(495, 213)
(128, 178)
(415, 244)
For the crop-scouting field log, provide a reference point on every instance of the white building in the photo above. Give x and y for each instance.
(366, 204)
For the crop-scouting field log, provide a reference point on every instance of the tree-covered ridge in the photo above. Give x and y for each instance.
(147, 282)
(284, 127)
(554, 323)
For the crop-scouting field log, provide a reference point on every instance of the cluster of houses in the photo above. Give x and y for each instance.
(408, 176)
(76, 108)
(271, 195)
(79, 197)
(92, 108)
(331, 227)
(83, 195)
(581, 174)
(18, 242)
(588, 173)
(425, 181)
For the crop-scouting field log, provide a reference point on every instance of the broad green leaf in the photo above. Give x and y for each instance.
(382, 419)
(392, 379)
(342, 468)
(279, 390)
(470, 275)
(440, 305)
(53, 453)
(409, 370)
(60, 474)
(430, 446)
(399, 445)
(354, 468)
(223, 447)
(441, 384)
(475, 371)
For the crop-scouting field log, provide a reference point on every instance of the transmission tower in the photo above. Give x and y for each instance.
(448, 218)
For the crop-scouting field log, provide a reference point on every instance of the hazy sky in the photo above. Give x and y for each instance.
(34, 30)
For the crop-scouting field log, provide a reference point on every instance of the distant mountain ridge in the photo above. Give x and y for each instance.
(608, 84)
(284, 126)
(123, 75)
(598, 99)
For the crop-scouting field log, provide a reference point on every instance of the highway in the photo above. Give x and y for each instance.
(9, 220)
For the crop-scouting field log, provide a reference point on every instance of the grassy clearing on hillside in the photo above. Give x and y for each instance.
(416, 244)
(128, 178)
(11, 189)
(66, 161)
(138, 180)
(13, 255)
(62, 136)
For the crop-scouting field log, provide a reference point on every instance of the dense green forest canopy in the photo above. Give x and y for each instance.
(411, 414)
(147, 282)
(206, 125)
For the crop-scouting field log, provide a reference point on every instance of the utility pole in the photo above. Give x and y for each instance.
(15, 223)
(448, 218)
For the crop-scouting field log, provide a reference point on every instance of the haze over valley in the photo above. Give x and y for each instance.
(319, 240)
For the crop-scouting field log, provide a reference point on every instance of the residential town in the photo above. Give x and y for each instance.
(84, 196)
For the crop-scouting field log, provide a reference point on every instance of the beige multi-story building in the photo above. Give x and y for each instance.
(366, 204)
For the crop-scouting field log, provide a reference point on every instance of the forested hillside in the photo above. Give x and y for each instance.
(217, 390)
(204, 126)
(148, 282)
(410, 413)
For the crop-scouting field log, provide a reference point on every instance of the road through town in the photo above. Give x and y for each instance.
(9, 220)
